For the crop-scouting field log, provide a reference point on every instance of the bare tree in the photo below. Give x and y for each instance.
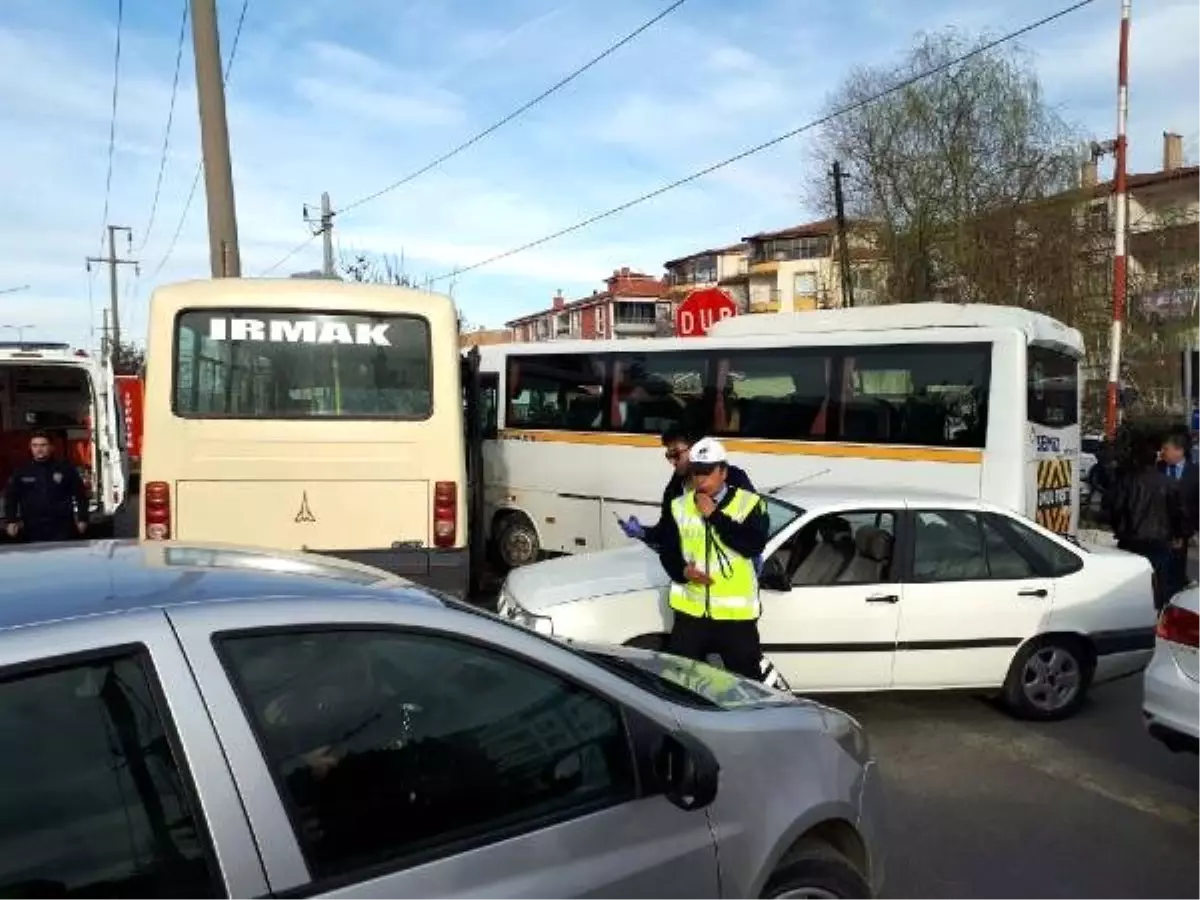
(931, 162)
(369, 268)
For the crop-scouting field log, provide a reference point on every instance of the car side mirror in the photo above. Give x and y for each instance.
(686, 770)
(774, 577)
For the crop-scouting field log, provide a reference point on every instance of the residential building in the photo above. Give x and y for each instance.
(632, 305)
(727, 267)
(798, 268)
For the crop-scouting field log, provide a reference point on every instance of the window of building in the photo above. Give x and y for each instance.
(657, 391)
(95, 803)
(805, 284)
(559, 391)
(635, 312)
(931, 395)
(782, 394)
(256, 364)
(1053, 388)
(600, 332)
(380, 763)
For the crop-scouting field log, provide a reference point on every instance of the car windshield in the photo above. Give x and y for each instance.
(687, 681)
(679, 680)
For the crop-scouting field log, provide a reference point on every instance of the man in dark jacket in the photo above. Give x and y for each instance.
(46, 500)
(1174, 461)
(708, 546)
(677, 445)
(1147, 514)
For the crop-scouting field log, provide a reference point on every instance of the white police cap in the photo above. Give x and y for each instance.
(706, 452)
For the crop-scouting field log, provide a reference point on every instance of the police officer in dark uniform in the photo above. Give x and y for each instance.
(46, 500)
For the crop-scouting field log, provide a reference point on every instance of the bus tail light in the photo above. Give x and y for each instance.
(157, 500)
(1179, 626)
(445, 514)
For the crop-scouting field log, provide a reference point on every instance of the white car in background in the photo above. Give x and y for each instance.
(864, 590)
(1171, 705)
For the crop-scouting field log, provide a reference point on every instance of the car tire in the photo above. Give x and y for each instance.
(816, 870)
(516, 542)
(1048, 680)
(656, 642)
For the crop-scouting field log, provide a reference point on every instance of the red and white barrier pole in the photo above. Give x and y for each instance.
(1120, 227)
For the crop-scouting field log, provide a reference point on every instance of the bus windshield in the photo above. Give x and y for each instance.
(280, 364)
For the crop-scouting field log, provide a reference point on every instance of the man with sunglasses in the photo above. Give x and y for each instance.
(708, 546)
(676, 444)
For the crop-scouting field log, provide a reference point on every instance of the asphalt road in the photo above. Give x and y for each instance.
(981, 805)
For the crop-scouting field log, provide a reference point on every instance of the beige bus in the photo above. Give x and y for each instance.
(309, 414)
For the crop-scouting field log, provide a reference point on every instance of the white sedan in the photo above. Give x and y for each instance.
(866, 591)
(1171, 705)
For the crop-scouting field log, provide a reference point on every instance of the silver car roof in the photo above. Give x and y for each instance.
(52, 582)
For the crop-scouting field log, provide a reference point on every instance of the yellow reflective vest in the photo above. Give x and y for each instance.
(733, 595)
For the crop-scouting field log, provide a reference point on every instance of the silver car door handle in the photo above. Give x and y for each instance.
(1033, 592)
(884, 598)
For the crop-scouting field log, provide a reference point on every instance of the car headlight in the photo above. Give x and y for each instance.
(510, 609)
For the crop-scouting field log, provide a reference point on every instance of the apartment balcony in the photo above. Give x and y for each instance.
(768, 304)
(644, 326)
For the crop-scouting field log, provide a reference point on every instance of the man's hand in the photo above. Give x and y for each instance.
(81, 527)
(695, 576)
(12, 529)
(706, 504)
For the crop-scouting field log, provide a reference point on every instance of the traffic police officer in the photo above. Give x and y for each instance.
(46, 500)
(708, 549)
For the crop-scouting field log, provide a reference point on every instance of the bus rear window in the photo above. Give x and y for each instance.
(1052, 388)
(289, 364)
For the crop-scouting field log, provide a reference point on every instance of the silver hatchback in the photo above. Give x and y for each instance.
(203, 721)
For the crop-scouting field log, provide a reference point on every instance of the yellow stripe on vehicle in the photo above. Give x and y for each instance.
(891, 453)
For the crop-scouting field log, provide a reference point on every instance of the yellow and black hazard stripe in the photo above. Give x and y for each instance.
(1054, 478)
(1053, 473)
(1055, 518)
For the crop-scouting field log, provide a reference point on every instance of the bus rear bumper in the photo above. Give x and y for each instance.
(443, 570)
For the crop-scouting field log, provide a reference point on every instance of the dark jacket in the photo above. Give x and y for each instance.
(47, 498)
(747, 538)
(1188, 487)
(1145, 507)
(734, 478)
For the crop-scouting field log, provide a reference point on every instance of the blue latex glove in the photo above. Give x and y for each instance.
(633, 528)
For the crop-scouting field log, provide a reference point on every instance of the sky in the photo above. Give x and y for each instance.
(348, 96)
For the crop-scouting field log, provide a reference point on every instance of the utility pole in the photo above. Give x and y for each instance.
(843, 243)
(324, 227)
(225, 258)
(112, 261)
(104, 344)
(1112, 408)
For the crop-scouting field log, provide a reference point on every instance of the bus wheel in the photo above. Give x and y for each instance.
(517, 541)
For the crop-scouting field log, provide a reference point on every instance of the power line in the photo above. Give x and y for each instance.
(496, 126)
(162, 163)
(187, 206)
(112, 123)
(289, 254)
(766, 145)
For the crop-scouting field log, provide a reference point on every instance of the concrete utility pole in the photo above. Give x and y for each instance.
(225, 257)
(1120, 225)
(843, 243)
(324, 227)
(112, 261)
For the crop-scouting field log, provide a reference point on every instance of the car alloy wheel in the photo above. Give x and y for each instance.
(1052, 678)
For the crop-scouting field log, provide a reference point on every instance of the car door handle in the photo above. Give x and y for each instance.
(1033, 592)
(884, 598)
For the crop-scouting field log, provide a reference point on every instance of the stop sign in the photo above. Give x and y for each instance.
(700, 309)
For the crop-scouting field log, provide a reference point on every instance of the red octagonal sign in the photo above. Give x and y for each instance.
(700, 309)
